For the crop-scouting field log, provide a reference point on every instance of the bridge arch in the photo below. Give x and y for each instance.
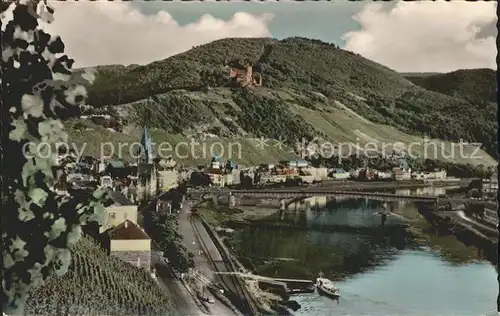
(285, 203)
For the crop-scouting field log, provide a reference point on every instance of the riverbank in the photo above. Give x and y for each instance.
(221, 215)
(218, 217)
(467, 230)
(355, 261)
(250, 288)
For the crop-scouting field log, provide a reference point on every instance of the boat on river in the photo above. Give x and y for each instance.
(326, 287)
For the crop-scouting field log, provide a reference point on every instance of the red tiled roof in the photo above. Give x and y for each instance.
(127, 231)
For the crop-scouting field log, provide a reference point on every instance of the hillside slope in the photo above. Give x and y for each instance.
(310, 90)
(97, 284)
(474, 85)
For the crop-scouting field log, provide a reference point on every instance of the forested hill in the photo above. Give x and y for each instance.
(474, 85)
(310, 89)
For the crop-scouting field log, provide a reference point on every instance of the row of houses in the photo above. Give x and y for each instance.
(300, 169)
(152, 176)
(397, 174)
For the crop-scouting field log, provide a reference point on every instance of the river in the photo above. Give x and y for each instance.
(412, 273)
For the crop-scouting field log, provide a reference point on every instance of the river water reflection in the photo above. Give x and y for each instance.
(416, 273)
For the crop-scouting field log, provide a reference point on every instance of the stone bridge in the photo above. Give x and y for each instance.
(296, 195)
(288, 197)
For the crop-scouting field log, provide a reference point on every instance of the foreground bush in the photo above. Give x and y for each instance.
(38, 88)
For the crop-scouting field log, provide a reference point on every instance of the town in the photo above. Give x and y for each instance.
(147, 177)
(312, 159)
(136, 189)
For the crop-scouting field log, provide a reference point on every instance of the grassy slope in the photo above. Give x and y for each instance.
(250, 152)
(97, 284)
(340, 124)
(304, 83)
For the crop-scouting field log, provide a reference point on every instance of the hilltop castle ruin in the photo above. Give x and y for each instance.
(245, 77)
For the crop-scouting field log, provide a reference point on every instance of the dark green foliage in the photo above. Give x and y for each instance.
(294, 62)
(299, 61)
(269, 117)
(39, 227)
(448, 118)
(98, 284)
(172, 112)
(475, 85)
(214, 78)
(180, 72)
(162, 228)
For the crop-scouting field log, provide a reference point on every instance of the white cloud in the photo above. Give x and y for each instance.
(426, 36)
(99, 33)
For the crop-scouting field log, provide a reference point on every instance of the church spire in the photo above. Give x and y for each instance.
(146, 150)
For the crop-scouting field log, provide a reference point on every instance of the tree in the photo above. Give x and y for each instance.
(208, 78)
(39, 227)
(175, 198)
(163, 230)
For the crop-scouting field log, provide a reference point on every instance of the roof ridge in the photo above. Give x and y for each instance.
(130, 225)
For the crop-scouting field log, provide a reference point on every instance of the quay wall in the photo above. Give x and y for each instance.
(463, 231)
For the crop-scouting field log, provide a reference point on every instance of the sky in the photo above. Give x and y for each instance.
(405, 36)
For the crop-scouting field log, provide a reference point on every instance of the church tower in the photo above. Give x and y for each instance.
(146, 171)
(146, 149)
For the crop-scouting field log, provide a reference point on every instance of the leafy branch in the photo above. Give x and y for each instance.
(39, 227)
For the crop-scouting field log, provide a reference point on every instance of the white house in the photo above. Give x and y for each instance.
(217, 177)
(438, 175)
(418, 175)
(402, 173)
(131, 244)
(493, 183)
(121, 210)
(216, 163)
(168, 179)
(147, 185)
(435, 175)
(319, 174)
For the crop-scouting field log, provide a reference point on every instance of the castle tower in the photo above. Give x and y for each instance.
(249, 75)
